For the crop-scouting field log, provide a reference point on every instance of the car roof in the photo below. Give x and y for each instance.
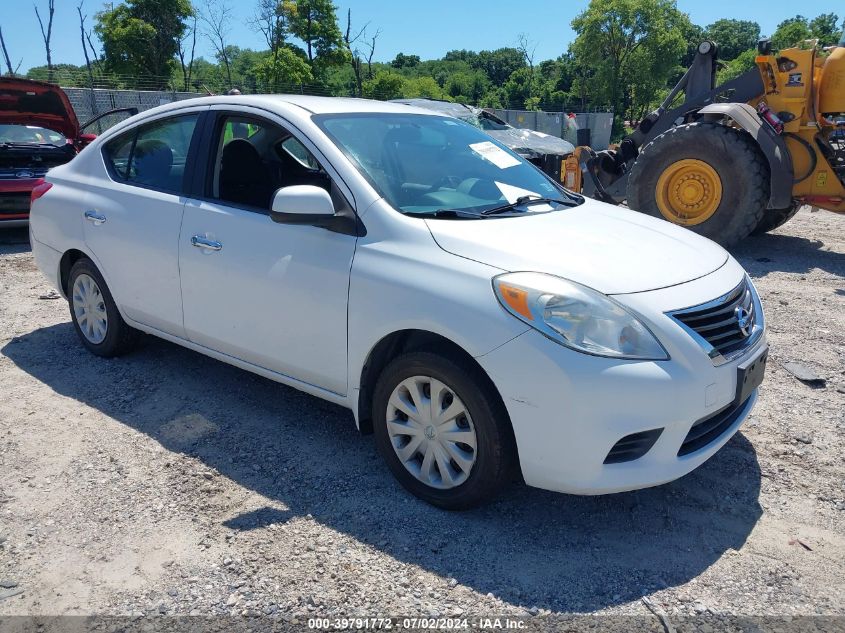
(312, 104)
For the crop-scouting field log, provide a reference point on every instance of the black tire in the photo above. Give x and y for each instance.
(774, 218)
(736, 158)
(495, 452)
(119, 338)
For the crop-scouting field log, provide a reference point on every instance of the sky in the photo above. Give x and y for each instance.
(427, 28)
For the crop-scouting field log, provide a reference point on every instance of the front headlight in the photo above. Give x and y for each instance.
(576, 316)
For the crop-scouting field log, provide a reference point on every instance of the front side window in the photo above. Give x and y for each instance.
(153, 155)
(427, 164)
(255, 158)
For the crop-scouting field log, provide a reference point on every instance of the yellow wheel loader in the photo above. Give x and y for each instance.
(738, 158)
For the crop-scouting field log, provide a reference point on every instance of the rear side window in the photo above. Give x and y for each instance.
(153, 155)
(117, 153)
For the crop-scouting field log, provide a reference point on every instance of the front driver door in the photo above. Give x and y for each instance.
(273, 295)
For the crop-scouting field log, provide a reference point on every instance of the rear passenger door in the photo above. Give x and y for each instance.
(132, 218)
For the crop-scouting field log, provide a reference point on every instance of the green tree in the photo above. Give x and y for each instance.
(518, 90)
(385, 85)
(825, 29)
(740, 64)
(425, 87)
(462, 55)
(694, 35)
(405, 61)
(283, 69)
(791, 33)
(315, 23)
(500, 64)
(626, 44)
(733, 36)
(63, 74)
(141, 37)
(467, 85)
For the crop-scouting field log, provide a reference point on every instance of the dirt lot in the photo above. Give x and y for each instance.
(167, 482)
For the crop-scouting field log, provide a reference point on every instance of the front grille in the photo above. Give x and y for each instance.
(14, 203)
(717, 322)
(632, 446)
(710, 429)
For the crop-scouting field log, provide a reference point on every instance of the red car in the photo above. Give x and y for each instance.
(38, 130)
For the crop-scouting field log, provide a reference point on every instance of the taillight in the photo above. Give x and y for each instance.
(41, 187)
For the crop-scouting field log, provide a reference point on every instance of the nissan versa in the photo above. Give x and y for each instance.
(480, 319)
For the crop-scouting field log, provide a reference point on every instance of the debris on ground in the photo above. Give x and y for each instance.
(660, 613)
(805, 374)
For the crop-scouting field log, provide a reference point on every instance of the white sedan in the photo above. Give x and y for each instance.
(482, 321)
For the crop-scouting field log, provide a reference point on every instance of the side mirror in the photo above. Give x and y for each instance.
(302, 204)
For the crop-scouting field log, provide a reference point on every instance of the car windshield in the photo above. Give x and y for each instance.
(425, 164)
(30, 134)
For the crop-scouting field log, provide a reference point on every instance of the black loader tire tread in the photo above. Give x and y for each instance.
(746, 165)
(775, 218)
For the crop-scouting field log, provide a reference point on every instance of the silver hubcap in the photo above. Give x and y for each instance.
(431, 432)
(89, 308)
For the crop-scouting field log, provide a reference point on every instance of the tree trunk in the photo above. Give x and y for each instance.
(88, 65)
(6, 53)
(309, 38)
(47, 35)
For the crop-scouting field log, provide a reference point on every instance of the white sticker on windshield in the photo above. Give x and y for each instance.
(512, 194)
(495, 154)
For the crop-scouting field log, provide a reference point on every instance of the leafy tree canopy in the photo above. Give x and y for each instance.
(141, 37)
(733, 36)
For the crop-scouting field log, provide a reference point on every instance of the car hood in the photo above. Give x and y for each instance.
(522, 141)
(610, 249)
(28, 102)
(519, 139)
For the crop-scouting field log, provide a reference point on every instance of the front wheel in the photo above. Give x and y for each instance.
(709, 178)
(442, 430)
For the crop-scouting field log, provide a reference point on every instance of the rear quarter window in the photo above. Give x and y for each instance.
(117, 153)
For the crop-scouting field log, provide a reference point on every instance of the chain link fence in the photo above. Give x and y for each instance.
(112, 91)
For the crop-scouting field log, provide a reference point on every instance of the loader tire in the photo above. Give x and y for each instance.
(774, 218)
(707, 177)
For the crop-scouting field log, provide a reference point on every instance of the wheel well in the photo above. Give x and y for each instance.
(398, 343)
(68, 260)
(770, 145)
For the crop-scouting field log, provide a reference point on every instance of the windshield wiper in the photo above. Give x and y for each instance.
(26, 144)
(524, 201)
(446, 213)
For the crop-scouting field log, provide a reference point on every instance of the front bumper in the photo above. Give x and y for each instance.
(566, 423)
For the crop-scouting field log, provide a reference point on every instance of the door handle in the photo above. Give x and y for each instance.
(201, 242)
(96, 218)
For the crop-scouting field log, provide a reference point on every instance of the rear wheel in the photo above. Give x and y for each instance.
(706, 177)
(442, 429)
(94, 313)
(774, 218)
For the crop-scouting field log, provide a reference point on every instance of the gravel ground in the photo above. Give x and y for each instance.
(165, 482)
